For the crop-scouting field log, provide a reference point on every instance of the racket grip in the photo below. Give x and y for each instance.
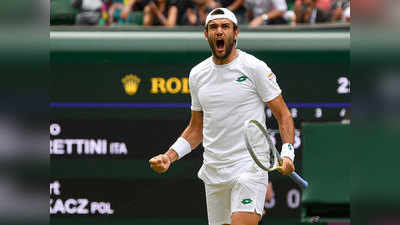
(298, 180)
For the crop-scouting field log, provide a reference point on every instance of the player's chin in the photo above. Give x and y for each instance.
(220, 53)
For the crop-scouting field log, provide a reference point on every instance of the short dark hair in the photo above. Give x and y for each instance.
(218, 12)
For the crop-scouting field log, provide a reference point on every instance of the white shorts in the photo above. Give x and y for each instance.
(246, 193)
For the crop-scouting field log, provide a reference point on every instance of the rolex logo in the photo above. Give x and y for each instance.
(131, 84)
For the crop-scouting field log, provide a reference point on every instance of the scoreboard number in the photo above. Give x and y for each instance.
(293, 198)
(297, 139)
(55, 129)
(272, 137)
(344, 85)
(270, 203)
(269, 113)
(318, 113)
(342, 112)
(293, 111)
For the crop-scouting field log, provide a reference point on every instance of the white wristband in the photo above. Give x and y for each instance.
(181, 147)
(287, 151)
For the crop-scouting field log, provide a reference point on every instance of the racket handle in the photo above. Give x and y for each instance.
(298, 180)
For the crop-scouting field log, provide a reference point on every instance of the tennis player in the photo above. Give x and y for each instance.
(227, 89)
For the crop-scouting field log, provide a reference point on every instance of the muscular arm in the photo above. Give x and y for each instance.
(286, 129)
(284, 118)
(192, 134)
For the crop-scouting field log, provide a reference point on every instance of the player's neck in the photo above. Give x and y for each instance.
(234, 53)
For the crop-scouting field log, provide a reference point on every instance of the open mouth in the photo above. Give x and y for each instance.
(220, 45)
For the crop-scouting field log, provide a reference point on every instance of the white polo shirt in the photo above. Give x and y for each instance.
(260, 7)
(229, 95)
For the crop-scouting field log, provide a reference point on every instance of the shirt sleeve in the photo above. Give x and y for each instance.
(196, 106)
(280, 4)
(265, 82)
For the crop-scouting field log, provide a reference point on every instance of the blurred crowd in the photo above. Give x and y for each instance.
(171, 13)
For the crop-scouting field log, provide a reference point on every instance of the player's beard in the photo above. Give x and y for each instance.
(229, 43)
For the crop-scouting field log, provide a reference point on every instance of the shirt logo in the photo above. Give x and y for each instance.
(242, 78)
(271, 76)
(246, 201)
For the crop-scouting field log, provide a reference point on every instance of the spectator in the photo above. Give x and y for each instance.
(236, 6)
(339, 9)
(121, 11)
(322, 4)
(308, 12)
(263, 12)
(196, 13)
(161, 12)
(104, 12)
(89, 11)
(346, 15)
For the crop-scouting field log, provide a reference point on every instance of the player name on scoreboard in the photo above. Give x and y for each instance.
(87, 147)
(75, 206)
(83, 146)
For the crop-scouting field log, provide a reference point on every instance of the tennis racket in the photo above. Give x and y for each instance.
(263, 151)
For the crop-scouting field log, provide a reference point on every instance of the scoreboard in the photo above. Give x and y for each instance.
(120, 97)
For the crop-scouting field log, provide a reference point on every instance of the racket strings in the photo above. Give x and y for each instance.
(261, 147)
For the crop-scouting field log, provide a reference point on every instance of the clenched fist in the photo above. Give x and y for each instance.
(287, 166)
(160, 163)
